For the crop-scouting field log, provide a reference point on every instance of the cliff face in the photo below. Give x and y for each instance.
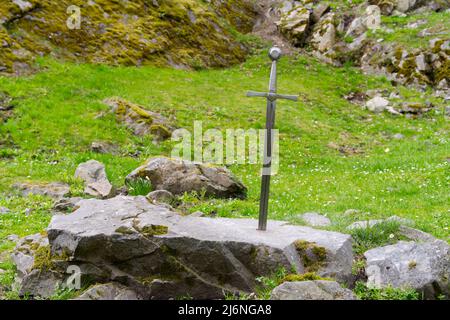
(181, 33)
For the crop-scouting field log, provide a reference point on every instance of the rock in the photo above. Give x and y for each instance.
(415, 108)
(405, 5)
(108, 291)
(23, 5)
(53, 190)
(184, 255)
(315, 219)
(364, 224)
(415, 235)
(324, 34)
(352, 212)
(295, 24)
(373, 17)
(102, 147)
(139, 120)
(96, 182)
(357, 43)
(358, 98)
(377, 104)
(421, 63)
(320, 10)
(401, 221)
(311, 290)
(4, 210)
(198, 214)
(356, 28)
(32, 281)
(40, 283)
(161, 196)
(416, 24)
(387, 7)
(180, 176)
(372, 223)
(23, 255)
(393, 111)
(286, 7)
(421, 266)
(13, 238)
(67, 205)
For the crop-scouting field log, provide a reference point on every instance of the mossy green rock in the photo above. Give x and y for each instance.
(188, 33)
(139, 120)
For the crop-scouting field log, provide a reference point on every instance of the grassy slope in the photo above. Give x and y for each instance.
(56, 123)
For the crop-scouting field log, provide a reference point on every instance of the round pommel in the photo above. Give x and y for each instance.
(275, 53)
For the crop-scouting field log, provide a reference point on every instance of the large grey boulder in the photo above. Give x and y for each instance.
(421, 266)
(108, 291)
(161, 255)
(94, 176)
(312, 290)
(180, 176)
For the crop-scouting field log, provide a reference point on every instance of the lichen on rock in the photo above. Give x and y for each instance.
(139, 120)
(187, 33)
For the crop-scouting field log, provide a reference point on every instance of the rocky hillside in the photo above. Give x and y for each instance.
(407, 40)
(179, 33)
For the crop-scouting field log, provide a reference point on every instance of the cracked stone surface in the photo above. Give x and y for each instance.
(160, 255)
(421, 266)
(312, 290)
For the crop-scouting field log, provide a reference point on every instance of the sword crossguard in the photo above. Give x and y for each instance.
(271, 96)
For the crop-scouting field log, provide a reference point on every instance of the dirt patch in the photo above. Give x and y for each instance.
(266, 25)
(6, 107)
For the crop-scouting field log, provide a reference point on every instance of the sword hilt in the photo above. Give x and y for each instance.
(272, 96)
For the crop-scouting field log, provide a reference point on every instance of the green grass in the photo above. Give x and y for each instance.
(437, 23)
(139, 187)
(379, 235)
(365, 293)
(56, 120)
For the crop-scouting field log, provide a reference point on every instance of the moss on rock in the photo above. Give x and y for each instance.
(312, 256)
(190, 33)
(310, 276)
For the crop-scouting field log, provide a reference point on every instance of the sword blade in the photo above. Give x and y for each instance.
(267, 166)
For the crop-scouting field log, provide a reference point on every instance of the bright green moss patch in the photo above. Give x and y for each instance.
(310, 276)
(365, 293)
(313, 256)
(153, 230)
